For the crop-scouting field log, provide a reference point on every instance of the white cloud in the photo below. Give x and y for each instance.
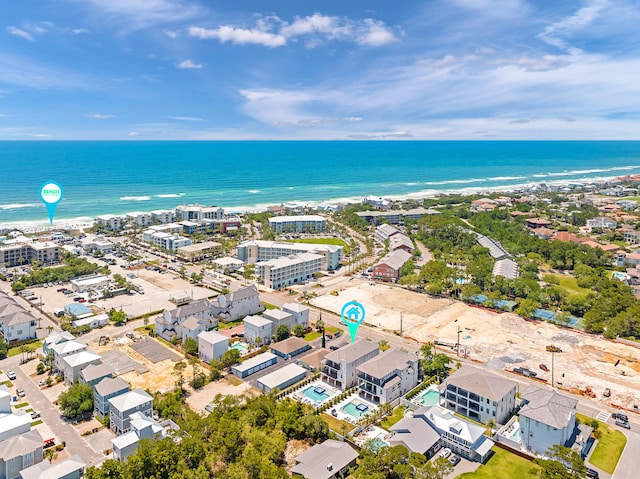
(352, 119)
(239, 36)
(273, 32)
(557, 33)
(78, 31)
(185, 118)
(18, 32)
(188, 64)
(171, 33)
(41, 135)
(133, 133)
(99, 116)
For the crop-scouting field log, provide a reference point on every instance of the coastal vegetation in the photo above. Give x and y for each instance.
(72, 267)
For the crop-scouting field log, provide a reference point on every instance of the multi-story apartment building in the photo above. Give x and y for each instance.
(198, 213)
(479, 395)
(259, 250)
(110, 222)
(19, 253)
(340, 366)
(298, 224)
(161, 217)
(164, 240)
(288, 270)
(139, 219)
(387, 376)
(388, 269)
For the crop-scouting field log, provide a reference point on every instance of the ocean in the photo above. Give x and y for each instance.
(101, 177)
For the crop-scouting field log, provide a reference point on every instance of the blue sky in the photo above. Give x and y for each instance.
(430, 69)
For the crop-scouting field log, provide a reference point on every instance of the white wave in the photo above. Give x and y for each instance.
(454, 182)
(506, 178)
(135, 198)
(170, 195)
(254, 192)
(585, 172)
(15, 206)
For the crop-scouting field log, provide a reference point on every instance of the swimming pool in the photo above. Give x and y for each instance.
(429, 398)
(356, 409)
(242, 348)
(316, 393)
(513, 432)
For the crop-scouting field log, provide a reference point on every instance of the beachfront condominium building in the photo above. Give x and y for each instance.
(395, 216)
(298, 224)
(161, 217)
(138, 219)
(388, 269)
(387, 376)
(110, 222)
(253, 251)
(166, 241)
(546, 418)
(198, 213)
(288, 270)
(16, 253)
(386, 233)
(479, 395)
(339, 368)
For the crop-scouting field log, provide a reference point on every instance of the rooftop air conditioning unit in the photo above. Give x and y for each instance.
(329, 467)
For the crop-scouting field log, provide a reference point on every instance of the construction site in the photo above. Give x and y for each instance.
(581, 363)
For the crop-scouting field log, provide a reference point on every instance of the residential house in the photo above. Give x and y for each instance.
(123, 406)
(546, 418)
(463, 437)
(298, 224)
(388, 269)
(19, 452)
(278, 318)
(94, 373)
(331, 459)
(63, 349)
(73, 364)
(69, 468)
(237, 304)
(290, 347)
(479, 395)
(170, 323)
(602, 222)
(416, 435)
(142, 427)
(387, 376)
(534, 223)
(340, 366)
(212, 345)
(257, 327)
(401, 242)
(106, 389)
(193, 326)
(55, 338)
(299, 312)
(18, 326)
(378, 202)
(13, 424)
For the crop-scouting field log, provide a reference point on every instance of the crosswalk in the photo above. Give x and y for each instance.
(603, 416)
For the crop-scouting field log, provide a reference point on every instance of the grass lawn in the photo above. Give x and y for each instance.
(269, 305)
(230, 325)
(335, 424)
(504, 465)
(388, 421)
(610, 445)
(335, 241)
(569, 284)
(15, 351)
(312, 335)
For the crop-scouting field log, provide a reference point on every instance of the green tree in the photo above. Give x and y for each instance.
(18, 286)
(4, 348)
(77, 400)
(569, 458)
(282, 332)
(298, 330)
(215, 367)
(190, 346)
(50, 454)
(230, 357)
(383, 345)
(178, 370)
(118, 317)
(432, 362)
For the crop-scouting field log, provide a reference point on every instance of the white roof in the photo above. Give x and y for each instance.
(212, 337)
(277, 378)
(45, 470)
(130, 400)
(83, 357)
(282, 219)
(255, 361)
(12, 421)
(257, 321)
(68, 347)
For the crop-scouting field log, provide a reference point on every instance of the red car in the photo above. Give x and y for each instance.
(82, 300)
(544, 367)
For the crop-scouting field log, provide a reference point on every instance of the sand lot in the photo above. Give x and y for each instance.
(502, 339)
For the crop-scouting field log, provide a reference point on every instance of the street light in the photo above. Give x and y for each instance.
(458, 343)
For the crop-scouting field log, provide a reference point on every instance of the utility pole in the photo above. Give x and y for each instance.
(458, 343)
(552, 364)
(400, 323)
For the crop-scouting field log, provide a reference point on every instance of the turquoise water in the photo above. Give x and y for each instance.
(317, 397)
(242, 348)
(429, 398)
(351, 410)
(101, 177)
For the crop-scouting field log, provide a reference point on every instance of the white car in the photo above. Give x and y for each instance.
(11, 375)
(446, 452)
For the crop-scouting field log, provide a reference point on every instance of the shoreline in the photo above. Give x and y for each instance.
(81, 222)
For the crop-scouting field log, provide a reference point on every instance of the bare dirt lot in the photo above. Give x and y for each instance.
(504, 339)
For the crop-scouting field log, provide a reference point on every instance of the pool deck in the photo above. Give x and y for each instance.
(371, 432)
(418, 398)
(340, 414)
(301, 397)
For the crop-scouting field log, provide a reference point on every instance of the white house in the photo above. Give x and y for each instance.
(193, 326)
(170, 323)
(142, 427)
(19, 452)
(257, 327)
(279, 318)
(69, 468)
(299, 312)
(602, 222)
(339, 367)
(238, 304)
(387, 376)
(123, 406)
(73, 364)
(212, 344)
(546, 418)
(331, 459)
(64, 349)
(18, 326)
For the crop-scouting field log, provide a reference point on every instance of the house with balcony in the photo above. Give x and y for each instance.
(340, 366)
(63, 349)
(299, 312)
(212, 345)
(123, 406)
(237, 304)
(106, 389)
(20, 452)
(387, 376)
(170, 323)
(479, 395)
(142, 427)
(257, 327)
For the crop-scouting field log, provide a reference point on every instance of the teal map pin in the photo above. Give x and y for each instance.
(51, 193)
(353, 315)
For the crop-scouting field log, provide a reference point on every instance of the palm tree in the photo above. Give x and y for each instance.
(178, 370)
(50, 454)
(49, 329)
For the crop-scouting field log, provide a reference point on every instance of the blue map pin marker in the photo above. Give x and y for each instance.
(51, 193)
(353, 315)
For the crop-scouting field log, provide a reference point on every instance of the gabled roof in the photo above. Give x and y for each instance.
(548, 407)
(445, 421)
(68, 347)
(130, 400)
(480, 382)
(96, 371)
(111, 385)
(352, 352)
(414, 433)
(289, 345)
(387, 362)
(243, 293)
(396, 259)
(45, 470)
(322, 461)
(20, 445)
(20, 317)
(191, 308)
(295, 307)
(58, 337)
(193, 322)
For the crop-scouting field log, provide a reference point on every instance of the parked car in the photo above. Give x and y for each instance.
(615, 415)
(42, 382)
(11, 374)
(446, 452)
(455, 459)
(35, 414)
(20, 392)
(624, 424)
(592, 473)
